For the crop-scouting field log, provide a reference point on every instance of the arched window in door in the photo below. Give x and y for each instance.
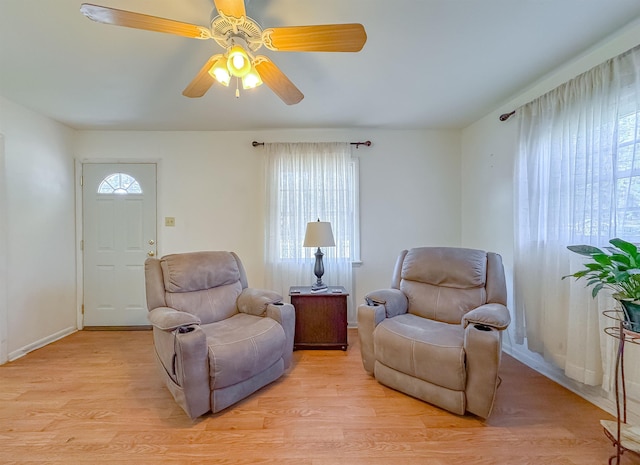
(119, 183)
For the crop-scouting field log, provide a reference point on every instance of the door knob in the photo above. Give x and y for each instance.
(151, 253)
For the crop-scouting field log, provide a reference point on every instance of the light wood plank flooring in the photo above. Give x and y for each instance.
(96, 398)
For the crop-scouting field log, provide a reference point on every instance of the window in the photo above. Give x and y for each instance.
(119, 183)
(296, 186)
(627, 178)
(306, 182)
(577, 181)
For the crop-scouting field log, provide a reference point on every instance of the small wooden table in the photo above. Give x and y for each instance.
(321, 317)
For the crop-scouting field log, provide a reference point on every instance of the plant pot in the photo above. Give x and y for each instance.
(631, 314)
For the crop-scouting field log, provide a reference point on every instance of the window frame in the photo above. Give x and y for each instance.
(132, 188)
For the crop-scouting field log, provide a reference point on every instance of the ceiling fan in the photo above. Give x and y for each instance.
(240, 37)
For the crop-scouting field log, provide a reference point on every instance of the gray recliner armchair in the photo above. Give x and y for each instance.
(216, 340)
(436, 333)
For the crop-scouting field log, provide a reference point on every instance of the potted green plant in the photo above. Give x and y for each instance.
(616, 268)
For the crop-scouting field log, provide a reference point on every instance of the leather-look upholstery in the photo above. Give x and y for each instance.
(435, 334)
(216, 340)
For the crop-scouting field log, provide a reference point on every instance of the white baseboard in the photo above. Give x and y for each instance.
(16, 354)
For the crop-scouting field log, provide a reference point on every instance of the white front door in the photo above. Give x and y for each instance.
(119, 229)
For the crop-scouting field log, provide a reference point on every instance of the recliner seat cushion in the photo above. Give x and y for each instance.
(242, 346)
(426, 349)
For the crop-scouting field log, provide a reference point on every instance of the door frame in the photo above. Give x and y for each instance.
(4, 288)
(79, 163)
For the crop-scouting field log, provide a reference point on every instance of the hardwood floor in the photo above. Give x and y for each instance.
(96, 397)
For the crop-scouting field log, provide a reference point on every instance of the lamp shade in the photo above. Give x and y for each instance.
(319, 234)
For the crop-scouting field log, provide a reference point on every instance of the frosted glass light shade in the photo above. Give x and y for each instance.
(238, 62)
(220, 72)
(252, 79)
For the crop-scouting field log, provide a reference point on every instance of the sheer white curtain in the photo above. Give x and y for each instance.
(306, 182)
(575, 144)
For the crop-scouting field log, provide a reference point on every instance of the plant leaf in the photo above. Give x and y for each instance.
(622, 276)
(596, 289)
(625, 246)
(602, 258)
(586, 250)
(594, 266)
(577, 274)
(619, 258)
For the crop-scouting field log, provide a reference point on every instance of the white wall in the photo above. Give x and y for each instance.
(409, 197)
(488, 151)
(38, 226)
(213, 184)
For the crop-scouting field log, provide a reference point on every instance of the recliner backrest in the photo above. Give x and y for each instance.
(444, 283)
(205, 284)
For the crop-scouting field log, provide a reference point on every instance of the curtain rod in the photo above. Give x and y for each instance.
(366, 143)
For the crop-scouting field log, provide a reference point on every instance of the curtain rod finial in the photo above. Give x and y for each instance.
(506, 116)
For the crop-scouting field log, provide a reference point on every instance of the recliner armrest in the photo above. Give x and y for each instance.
(256, 301)
(369, 317)
(284, 314)
(393, 300)
(494, 315)
(169, 319)
(185, 359)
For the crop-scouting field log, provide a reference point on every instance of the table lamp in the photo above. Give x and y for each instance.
(319, 234)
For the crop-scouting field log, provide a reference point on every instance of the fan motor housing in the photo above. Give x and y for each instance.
(225, 28)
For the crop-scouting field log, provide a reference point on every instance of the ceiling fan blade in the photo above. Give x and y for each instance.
(234, 8)
(203, 80)
(322, 38)
(105, 15)
(277, 81)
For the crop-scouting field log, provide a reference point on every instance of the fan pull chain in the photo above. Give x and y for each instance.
(237, 89)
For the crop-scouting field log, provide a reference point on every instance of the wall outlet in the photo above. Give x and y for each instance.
(169, 221)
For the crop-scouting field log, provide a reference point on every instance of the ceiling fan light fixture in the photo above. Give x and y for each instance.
(238, 62)
(252, 79)
(220, 72)
(241, 37)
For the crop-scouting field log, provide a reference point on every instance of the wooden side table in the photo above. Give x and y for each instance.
(321, 318)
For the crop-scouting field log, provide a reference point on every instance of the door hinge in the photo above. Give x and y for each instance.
(81, 181)
(82, 309)
(82, 245)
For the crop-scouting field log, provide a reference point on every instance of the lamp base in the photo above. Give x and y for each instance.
(318, 270)
(318, 286)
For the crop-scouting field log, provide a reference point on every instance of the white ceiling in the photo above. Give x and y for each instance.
(426, 63)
